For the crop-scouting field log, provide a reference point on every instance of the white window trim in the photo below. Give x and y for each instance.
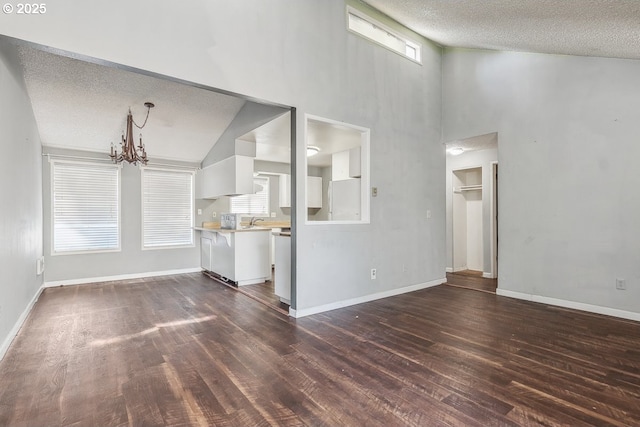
(52, 163)
(365, 181)
(155, 248)
(408, 41)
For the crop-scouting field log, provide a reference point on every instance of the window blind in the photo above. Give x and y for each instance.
(167, 208)
(253, 204)
(86, 215)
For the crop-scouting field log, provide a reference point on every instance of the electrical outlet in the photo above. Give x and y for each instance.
(428, 214)
(273, 214)
(374, 274)
(39, 266)
(213, 214)
(199, 211)
(621, 284)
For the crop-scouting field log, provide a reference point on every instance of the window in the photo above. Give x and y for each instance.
(377, 32)
(167, 208)
(85, 207)
(256, 204)
(343, 161)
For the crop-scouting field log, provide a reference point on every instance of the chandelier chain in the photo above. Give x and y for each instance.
(145, 119)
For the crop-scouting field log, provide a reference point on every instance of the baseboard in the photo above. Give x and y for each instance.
(366, 298)
(607, 311)
(486, 275)
(16, 328)
(120, 277)
(463, 268)
(449, 270)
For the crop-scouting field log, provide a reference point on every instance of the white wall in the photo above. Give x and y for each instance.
(298, 53)
(471, 159)
(21, 189)
(131, 260)
(569, 132)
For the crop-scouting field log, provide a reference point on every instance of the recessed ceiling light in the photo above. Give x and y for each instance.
(456, 150)
(312, 150)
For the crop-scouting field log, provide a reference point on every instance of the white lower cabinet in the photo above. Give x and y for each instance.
(242, 256)
(205, 253)
(282, 269)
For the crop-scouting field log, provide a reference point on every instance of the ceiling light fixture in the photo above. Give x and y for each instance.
(312, 150)
(456, 150)
(128, 151)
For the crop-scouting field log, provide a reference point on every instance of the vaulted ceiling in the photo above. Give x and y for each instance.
(80, 105)
(607, 28)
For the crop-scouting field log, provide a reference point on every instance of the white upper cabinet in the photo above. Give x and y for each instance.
(355, 163)
(314, 191)
(228, 177)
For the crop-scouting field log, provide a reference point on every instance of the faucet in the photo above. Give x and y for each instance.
(253, 221)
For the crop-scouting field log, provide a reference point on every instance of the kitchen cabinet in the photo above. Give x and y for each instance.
(340, 165)
(346, 164)
(231, 176)
(205, 252)
(355, 163)
(314, 191)
(282, 269)
(241, 256)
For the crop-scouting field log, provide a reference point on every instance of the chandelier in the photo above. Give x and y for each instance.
(128, 151)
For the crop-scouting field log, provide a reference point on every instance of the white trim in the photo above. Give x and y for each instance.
(18, 325)
(376, 23)
(486, 275)
(52, 164)
(463, 268)
(365, 165)
(366, 298)
(142, 198)
(120, 277)
(607, 311)
(493, 229)
(449, 269)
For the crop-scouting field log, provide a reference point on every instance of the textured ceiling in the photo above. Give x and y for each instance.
(84, 106)
(608, 28)
(479, 142)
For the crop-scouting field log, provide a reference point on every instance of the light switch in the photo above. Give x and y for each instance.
(374, 191)
(199, 211)
(428, 214)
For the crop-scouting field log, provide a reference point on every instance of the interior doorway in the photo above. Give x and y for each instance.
(472, 209)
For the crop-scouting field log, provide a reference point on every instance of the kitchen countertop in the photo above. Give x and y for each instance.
(262, 224)
(221, 230)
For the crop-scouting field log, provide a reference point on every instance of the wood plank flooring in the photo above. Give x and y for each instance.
(472, 280)
(265, 293)
(186, 350)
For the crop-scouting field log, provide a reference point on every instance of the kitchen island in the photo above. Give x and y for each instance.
(240, 256)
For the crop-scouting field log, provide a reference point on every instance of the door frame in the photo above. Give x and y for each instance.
(494, 220)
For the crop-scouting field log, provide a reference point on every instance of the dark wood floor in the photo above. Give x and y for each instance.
(265, 293)
(186, 350)
(472, 280)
